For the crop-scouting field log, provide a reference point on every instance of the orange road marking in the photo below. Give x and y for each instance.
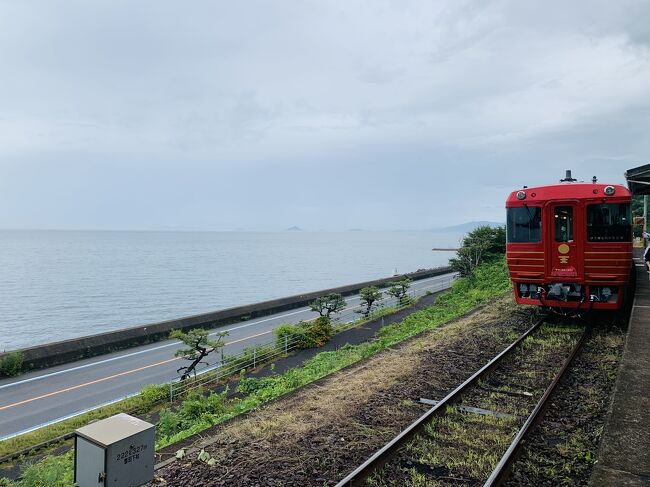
(248, 338)
(78, 386)
(127, 372)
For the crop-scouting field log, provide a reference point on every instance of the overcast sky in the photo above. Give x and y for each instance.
(260, 115)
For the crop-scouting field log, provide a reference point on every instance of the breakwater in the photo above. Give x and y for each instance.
(65, 351)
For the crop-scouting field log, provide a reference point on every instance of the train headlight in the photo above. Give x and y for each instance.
(610, 190)
(521, 195)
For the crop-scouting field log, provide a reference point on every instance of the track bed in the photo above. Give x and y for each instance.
(314, 437)
(318, 434)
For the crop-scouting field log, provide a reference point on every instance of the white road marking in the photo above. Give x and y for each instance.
(12, 435)
(175, 342)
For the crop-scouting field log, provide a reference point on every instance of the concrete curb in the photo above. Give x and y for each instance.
(65, 351)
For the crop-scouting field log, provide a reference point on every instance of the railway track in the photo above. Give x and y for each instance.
(512, 391)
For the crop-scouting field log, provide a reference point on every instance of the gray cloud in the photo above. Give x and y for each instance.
(221, 115)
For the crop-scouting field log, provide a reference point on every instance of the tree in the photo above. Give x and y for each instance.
(369, 296)
(398, 289)
(483, 244)
(328, 304)
(637, 211)
(199, 346)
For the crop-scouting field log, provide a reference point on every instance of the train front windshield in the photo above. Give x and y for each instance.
(524, 225)
(609, 223)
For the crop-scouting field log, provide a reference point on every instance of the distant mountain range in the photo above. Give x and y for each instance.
(461, 228)
(467, 227)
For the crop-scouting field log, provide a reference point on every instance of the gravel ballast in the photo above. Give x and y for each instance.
(317, 435)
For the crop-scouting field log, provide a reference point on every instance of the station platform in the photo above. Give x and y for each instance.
(624, 457)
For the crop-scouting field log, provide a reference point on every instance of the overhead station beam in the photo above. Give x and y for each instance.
(638, 180)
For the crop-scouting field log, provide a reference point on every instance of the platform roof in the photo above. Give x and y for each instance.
(638, 179)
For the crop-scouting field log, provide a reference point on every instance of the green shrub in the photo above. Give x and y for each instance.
(52, 471)
(320, 331)
(288, 334)
(248, 385)
(11, 364)
(168, 424)
(484, 244)
(197, 407)
(199, 411)
(296, 336)
(305, 335)
(153, 394)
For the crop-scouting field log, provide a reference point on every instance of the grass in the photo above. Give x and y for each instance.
(11, 364)
(466, 446)
(141, 403)
(489, 281)
(144, 403)
(569, 458)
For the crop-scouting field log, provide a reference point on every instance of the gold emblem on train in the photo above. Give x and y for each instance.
(563, 249)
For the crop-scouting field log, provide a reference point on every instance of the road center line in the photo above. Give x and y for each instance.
(79, 386)
(173, 343)
(139, 352)
(127, 372)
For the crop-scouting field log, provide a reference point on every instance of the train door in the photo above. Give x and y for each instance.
(565, 242)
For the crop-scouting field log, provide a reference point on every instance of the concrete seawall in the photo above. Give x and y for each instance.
(78, 348)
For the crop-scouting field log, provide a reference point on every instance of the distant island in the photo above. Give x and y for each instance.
(294, 229)
(467, 227)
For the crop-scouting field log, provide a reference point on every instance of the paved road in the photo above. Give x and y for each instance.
(45, 396)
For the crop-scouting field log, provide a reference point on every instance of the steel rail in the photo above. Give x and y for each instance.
(502, 470)
(376, 461)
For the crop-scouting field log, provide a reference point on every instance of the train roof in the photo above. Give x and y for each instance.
(568, 191)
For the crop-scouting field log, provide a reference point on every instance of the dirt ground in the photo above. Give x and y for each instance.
(317, 435)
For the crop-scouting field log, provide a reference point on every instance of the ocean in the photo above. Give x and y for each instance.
(56, 285)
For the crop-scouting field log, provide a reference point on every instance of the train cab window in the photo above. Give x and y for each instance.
(563, 217)
(524, 224)
(609, 223)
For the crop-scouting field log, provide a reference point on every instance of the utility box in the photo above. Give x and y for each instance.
(114, 452)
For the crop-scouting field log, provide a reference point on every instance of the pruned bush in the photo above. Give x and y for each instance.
(293, 336)
(305, 335)
(11, 364)
(399, 290)
(329, 304)
(490, 280)
(320, 331)
(369, 296)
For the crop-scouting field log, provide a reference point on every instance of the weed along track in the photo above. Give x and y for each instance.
(314, 436)
(472, 435)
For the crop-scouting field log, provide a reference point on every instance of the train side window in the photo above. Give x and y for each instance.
(610, 222)
(524, 224)
(563, 217)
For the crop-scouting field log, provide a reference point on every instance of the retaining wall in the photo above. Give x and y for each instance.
(78, 348)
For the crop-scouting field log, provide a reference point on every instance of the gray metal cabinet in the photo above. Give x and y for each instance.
(114, 452)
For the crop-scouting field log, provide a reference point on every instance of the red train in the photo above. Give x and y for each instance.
(569, 245)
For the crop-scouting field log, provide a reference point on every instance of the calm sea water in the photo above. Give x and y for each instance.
(63, 284)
